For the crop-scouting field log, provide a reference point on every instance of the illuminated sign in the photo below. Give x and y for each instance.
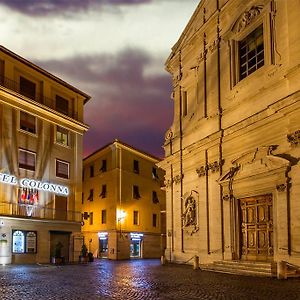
(102, 235)
(34, 184)
(136, 236)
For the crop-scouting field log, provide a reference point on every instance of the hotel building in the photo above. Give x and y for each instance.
(232, 152)
(122, 203)
(41, 131)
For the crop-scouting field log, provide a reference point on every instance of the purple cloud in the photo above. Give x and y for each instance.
(128, 102)
(51, 7)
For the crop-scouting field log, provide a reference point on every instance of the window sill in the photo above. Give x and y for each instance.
(28, 133)
(62, 145)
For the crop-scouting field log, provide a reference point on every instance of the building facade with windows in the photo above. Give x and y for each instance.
(41, 132)
(123, 205)
(232, 152)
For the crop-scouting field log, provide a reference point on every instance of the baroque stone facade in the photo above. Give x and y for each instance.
(235, 135)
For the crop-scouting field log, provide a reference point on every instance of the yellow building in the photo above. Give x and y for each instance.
(232, 152)
(41, 131)
(122, 203)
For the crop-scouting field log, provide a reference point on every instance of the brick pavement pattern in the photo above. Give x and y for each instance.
(135, 279)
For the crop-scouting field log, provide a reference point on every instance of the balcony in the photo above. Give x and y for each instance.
(37, 97)
(38, 212)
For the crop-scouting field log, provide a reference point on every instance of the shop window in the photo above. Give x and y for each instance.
(103, 216)
(24, 241)
(62, 169)
(136, 167)
(103, 191)
(135, 217)
(251, 53)
(103, 166)
(154, 220)
(27, 122)
(154, 197)
(91, 195)
(27, 160)
(62, 105)
(62, 136)
(92, 171)
(27, 88)
(136, 192)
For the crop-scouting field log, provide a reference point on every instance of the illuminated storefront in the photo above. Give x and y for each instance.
(136, 240)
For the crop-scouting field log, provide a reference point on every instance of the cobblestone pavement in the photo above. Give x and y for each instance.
(136, 279)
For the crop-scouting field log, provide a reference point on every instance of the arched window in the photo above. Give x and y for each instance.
(18, 242)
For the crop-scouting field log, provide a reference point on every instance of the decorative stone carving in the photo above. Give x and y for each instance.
(201, 171)
(281, 187)
(168, 183)
(215, 166)
(247, 17)
(227, 197)
(213, 46)
(177, 179)
(168, 135)
(190, 214)
(294, 138)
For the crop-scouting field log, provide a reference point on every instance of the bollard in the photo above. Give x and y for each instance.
(162, 260)
(196, 262)
(281, 270)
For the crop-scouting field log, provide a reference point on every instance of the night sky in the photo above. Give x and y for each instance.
(114, 50)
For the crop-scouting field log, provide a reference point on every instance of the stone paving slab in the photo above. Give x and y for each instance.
(136, 279)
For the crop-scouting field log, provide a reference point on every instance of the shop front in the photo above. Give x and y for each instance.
(136, 243)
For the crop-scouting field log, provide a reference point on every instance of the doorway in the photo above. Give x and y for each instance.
(256, 228)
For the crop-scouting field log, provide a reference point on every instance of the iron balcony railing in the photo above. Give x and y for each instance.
(38, 97)
(38, 212)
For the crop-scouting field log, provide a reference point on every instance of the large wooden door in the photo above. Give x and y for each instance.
(257, 228)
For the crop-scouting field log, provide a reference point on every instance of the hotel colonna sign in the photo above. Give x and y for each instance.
(34, 184)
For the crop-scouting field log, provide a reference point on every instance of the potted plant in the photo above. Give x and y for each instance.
(90, 257)
(57, 258)
(83, 255)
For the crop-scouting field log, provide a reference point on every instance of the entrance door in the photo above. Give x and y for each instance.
(257, 228)
(63, 238)
(135, 249)
(103, 247)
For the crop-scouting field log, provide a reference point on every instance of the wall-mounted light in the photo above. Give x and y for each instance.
(121, 214)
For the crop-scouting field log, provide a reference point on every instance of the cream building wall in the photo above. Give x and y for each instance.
(234, 141)
(120, 204)
(52, 215)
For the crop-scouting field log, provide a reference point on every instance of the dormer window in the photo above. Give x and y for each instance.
(27, 88)
(62, 105)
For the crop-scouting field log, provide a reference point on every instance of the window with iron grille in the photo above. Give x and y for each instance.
(27, 88)
(27, 122)
(135, 217)
(136, 167)
(62, 105)
(251, 52)
(103, 191)
(103, 216)
(27, 160)
(62, 169)
(136, 192)
(103, 166)
(91, 195)
(62, 136)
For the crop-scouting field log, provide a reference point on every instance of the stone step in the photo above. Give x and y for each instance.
(241, 268)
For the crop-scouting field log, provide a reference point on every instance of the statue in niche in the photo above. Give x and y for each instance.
(189, 216)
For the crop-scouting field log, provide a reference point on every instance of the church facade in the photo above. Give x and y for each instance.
(232, 153)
